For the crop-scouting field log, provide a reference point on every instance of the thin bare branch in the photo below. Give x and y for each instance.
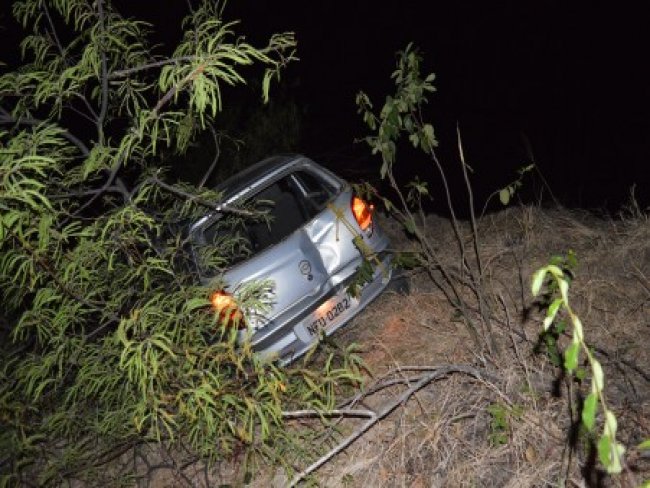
(84, 193)
(217, 153)
(348, 413)
(531, 157)
(52, 30)
(104, 76)
(155, 64)
(94, 116)
(112, 177)
(217, 207)
(174, 89)
(90, 118)
(437, 372)
(470, 196)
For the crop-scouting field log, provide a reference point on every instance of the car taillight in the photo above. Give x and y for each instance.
(225, 305)
(362, 212)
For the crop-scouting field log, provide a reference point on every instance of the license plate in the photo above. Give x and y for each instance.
(329, 315)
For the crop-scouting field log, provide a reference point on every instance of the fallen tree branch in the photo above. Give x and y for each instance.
(156, 64)
(6, 118)
(217, 207)
(434, 373)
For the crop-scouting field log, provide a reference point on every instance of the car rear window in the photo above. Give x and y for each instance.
(285, 205)
(285, 212)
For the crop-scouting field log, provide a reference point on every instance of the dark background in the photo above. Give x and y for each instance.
(571, 78)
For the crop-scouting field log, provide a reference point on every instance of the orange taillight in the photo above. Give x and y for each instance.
(362, 212)
(225, 305)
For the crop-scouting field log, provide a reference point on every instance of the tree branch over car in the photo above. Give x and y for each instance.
(107, 340)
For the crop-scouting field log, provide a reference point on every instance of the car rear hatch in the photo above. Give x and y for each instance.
(306, 249)
(306, 268)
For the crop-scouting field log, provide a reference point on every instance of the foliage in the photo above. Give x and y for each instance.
(402, 115)
(107, 339)
(550, 336)
(465, 282)
(244, 133)
(501, 416)
(610, 452)
(506, 193)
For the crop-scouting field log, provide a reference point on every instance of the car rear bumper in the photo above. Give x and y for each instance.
(288, 341)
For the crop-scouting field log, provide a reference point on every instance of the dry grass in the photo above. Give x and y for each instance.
(445, 434)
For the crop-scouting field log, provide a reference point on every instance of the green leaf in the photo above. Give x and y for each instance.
(194, 303)
(384, 169)
(504, 196)
(644, 446)
(410, 226)
(571, 356)
(577, 327)
(415, 139)
(611, 425)
(555, 270)
(538, 281)
(428, 135)
(598, 381)
(564, 289)
(589, 411)
(266, 85)
(613, 452)
(604, 450)
(552, 312)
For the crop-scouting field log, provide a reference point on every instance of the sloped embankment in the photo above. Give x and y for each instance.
(512, 425)
(515, 429)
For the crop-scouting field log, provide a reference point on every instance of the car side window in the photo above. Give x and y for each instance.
(316, 193)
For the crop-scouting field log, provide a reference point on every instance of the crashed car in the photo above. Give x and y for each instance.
(316, 236)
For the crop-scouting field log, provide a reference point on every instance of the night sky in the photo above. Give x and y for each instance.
(572, 78)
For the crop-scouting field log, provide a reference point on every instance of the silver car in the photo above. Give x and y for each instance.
(310, 248)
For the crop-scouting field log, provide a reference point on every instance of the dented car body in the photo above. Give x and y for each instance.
(309, 249)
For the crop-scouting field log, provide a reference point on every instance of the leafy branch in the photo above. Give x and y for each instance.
(402, 115)
(429, 374)
(610, 452)
(109, 337)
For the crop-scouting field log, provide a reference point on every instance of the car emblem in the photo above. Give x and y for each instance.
(305, 268)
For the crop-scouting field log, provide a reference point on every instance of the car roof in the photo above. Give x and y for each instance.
(258, 171)
(232, 188)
